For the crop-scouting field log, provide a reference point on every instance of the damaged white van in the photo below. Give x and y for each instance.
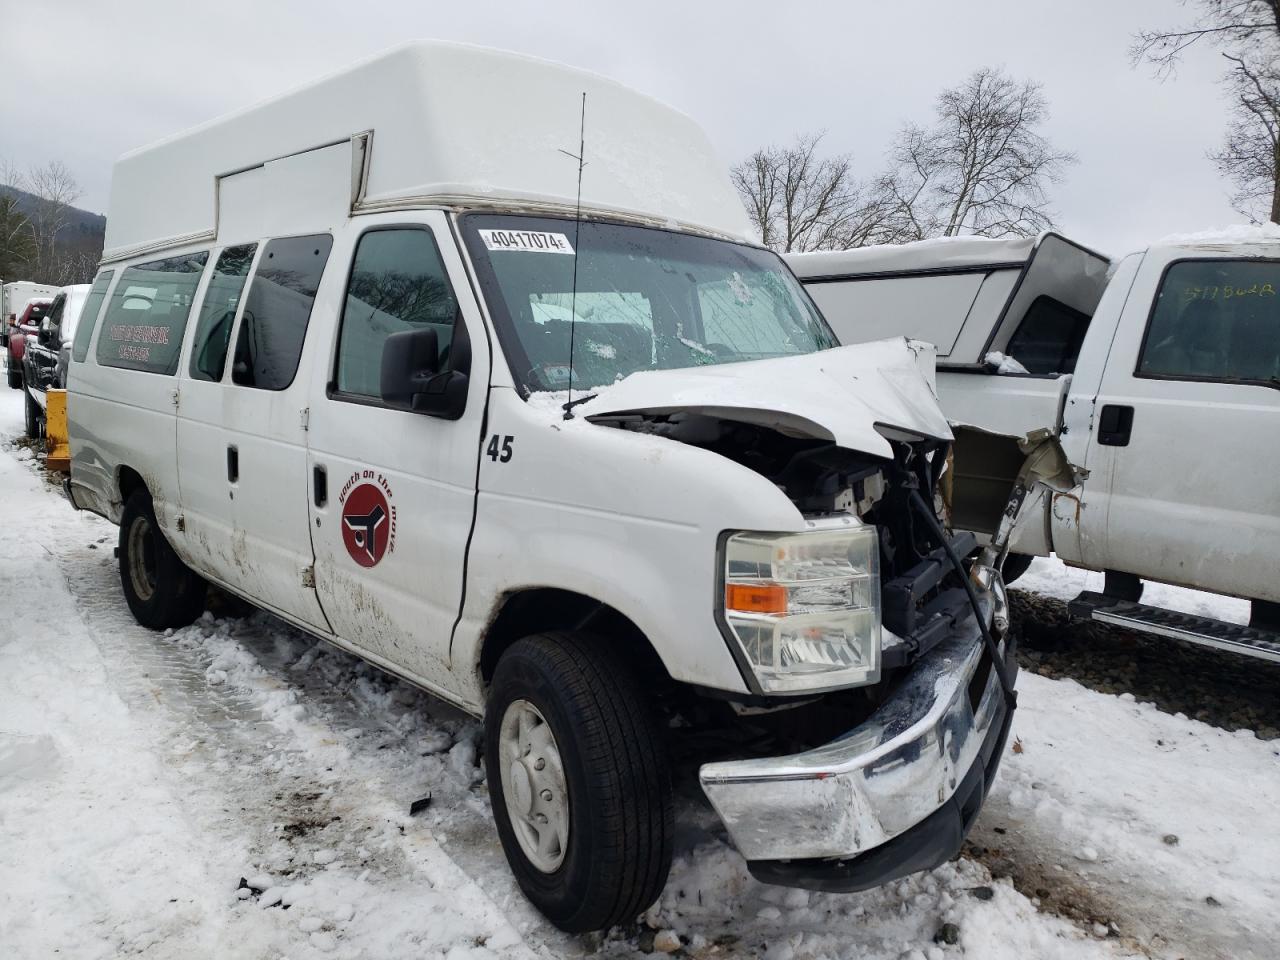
(461, 361)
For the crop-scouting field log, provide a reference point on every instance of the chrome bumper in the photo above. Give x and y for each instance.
(881, 779)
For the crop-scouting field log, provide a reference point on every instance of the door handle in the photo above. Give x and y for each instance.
(1115, 424)
(320, 485)
(233, 464)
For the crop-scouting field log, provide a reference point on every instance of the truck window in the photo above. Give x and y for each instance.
(1048, 338)
(218, 311)
(147, 314)
(1215, 320)
(89, 316)
(277, 310)
(398, 283)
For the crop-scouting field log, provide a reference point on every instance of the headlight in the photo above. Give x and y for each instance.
(805, 607)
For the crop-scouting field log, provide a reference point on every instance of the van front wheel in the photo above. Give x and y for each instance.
(579, 781)
(161, 590)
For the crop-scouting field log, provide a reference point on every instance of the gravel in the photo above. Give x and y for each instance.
(1223, 689)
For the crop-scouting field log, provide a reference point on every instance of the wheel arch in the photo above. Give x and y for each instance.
(530, 610)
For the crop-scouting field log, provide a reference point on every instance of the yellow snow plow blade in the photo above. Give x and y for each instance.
(55, 432)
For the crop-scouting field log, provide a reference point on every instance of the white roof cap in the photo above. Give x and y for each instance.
(941, 253)
(451, 123)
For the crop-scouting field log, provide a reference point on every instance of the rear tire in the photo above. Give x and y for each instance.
(605, 748)
(160, 589)
(1015, 565)
(15, 376)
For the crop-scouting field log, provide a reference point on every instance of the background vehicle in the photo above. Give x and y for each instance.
(367, 428)
(1159, 374)
(44, 360)
(26, 320)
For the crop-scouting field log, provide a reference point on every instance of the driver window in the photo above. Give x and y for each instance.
(1216, 320)
(398, 282)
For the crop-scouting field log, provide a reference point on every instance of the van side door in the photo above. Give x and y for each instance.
(1182, 454)
(242, 427)
(393, 492)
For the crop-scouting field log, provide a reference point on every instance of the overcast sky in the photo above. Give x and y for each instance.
(85, 80)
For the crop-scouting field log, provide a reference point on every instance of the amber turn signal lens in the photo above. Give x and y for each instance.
(755, 598)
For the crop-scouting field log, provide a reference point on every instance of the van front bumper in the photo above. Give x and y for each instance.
(895, 795)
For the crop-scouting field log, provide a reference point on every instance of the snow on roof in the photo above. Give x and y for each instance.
(454, 124)
(940, 253)
(1235, 233)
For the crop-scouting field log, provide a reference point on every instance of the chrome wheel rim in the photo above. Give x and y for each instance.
(533, 785)
(142, 558)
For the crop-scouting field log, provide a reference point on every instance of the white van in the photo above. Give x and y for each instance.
(580, 460)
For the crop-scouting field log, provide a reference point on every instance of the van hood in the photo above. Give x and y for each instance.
(857, 397)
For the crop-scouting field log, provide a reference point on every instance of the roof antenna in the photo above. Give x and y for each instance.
(577, 223)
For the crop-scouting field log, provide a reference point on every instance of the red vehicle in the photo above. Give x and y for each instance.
(29, 322)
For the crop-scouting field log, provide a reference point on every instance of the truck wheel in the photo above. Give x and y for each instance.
(15, 376)
(35, 417)
(161, 590)
(1015, 565)
(579, 782)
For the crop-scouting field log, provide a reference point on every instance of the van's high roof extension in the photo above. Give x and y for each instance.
(427, 122)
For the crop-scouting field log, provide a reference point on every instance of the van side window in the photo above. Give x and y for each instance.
(1215, 320)
(147, 314)
(398, 283)
(89, 315)
(277, 310)
(1049, 337)
(218, 311)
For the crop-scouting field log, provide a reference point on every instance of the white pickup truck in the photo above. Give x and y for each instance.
(1159, 374)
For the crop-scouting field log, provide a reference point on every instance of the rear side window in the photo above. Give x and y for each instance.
(277, 310)
(1049, 337)
(1215, 320)
(218, 311)
(397, 283)
(89, 316)
(147, 314)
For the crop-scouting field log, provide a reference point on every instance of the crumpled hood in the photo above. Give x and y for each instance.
(852, 396)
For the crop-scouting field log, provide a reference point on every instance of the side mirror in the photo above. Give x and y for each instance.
(46, 332)
(412, 381)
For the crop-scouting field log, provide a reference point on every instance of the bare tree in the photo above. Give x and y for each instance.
(1248, 34)
(55, 190)
(982, 168)
(800, 200)
(17, 240)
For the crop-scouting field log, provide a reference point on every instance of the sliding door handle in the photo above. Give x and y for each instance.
(233, 464)
(319, 485)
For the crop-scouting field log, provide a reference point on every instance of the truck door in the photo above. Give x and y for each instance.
(1183, 457)
(393, 492)
(241, 434)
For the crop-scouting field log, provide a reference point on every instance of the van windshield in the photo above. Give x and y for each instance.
(645, 299)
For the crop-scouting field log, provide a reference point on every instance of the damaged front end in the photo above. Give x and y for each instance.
(845, 789)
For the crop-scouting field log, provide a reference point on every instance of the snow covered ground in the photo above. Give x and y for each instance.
(142, 776)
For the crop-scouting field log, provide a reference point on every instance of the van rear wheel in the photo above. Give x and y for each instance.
(160, 589)
(579, 781)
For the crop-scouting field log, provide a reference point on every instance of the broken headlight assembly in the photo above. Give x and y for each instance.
(804, 608)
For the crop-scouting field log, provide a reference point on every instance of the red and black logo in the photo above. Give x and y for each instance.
(367, 524)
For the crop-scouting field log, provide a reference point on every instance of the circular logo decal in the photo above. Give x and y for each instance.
(366, 524)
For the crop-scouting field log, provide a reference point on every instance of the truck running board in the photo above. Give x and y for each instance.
(1248, 641)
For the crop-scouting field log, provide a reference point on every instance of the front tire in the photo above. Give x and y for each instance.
(1015, 565)
(160, 589)
(15, 376)
(34, 416)
(579, 781)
